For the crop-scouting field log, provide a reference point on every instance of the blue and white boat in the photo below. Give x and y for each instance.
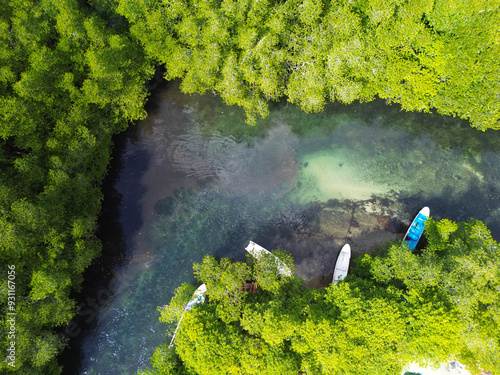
(416, 229)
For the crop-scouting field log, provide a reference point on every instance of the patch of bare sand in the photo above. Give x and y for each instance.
(335, 175)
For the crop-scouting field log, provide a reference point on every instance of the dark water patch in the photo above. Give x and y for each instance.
(479, 201)
(97, 291)
(446, 132)
(168, 205)
(135, 161)
(391, 225)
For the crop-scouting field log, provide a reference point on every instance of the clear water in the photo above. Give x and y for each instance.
(196, 180)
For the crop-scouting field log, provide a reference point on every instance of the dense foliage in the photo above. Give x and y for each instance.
(397, 308)
(68, 82)
(442, 54)
(72, 74)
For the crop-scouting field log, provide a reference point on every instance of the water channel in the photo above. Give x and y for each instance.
(193, 179)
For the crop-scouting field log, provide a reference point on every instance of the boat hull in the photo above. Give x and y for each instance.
(197, 298)
(257, 251)
(416, 229)
(342, 264)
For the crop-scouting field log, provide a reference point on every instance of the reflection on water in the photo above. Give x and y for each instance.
(305, 183)
(236, 166)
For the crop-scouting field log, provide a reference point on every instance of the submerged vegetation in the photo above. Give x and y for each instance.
(393, 309)
(73, 73)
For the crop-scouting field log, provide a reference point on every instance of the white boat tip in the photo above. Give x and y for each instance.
(250, 246)
(426, 211)
(201, 289)
(346, 248)
(256, 250)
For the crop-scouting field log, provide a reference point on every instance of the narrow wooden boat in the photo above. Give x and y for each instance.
(258, 251)
(342, 264)
(416, 229)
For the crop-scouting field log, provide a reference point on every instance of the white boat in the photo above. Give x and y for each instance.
(198, 297)
(342, 264)
(257, 251)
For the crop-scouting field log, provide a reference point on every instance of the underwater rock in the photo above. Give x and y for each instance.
(390, 224)
(365, 225)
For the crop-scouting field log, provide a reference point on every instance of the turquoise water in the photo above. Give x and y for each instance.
(196, 180)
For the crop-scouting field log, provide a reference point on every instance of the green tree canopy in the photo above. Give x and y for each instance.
(458, 268)
(441, 55)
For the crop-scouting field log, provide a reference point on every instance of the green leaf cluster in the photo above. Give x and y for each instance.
(458, 269)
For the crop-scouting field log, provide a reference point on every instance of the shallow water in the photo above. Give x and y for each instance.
(196, 180)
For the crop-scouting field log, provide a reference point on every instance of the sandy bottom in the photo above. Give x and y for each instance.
(335, 175)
